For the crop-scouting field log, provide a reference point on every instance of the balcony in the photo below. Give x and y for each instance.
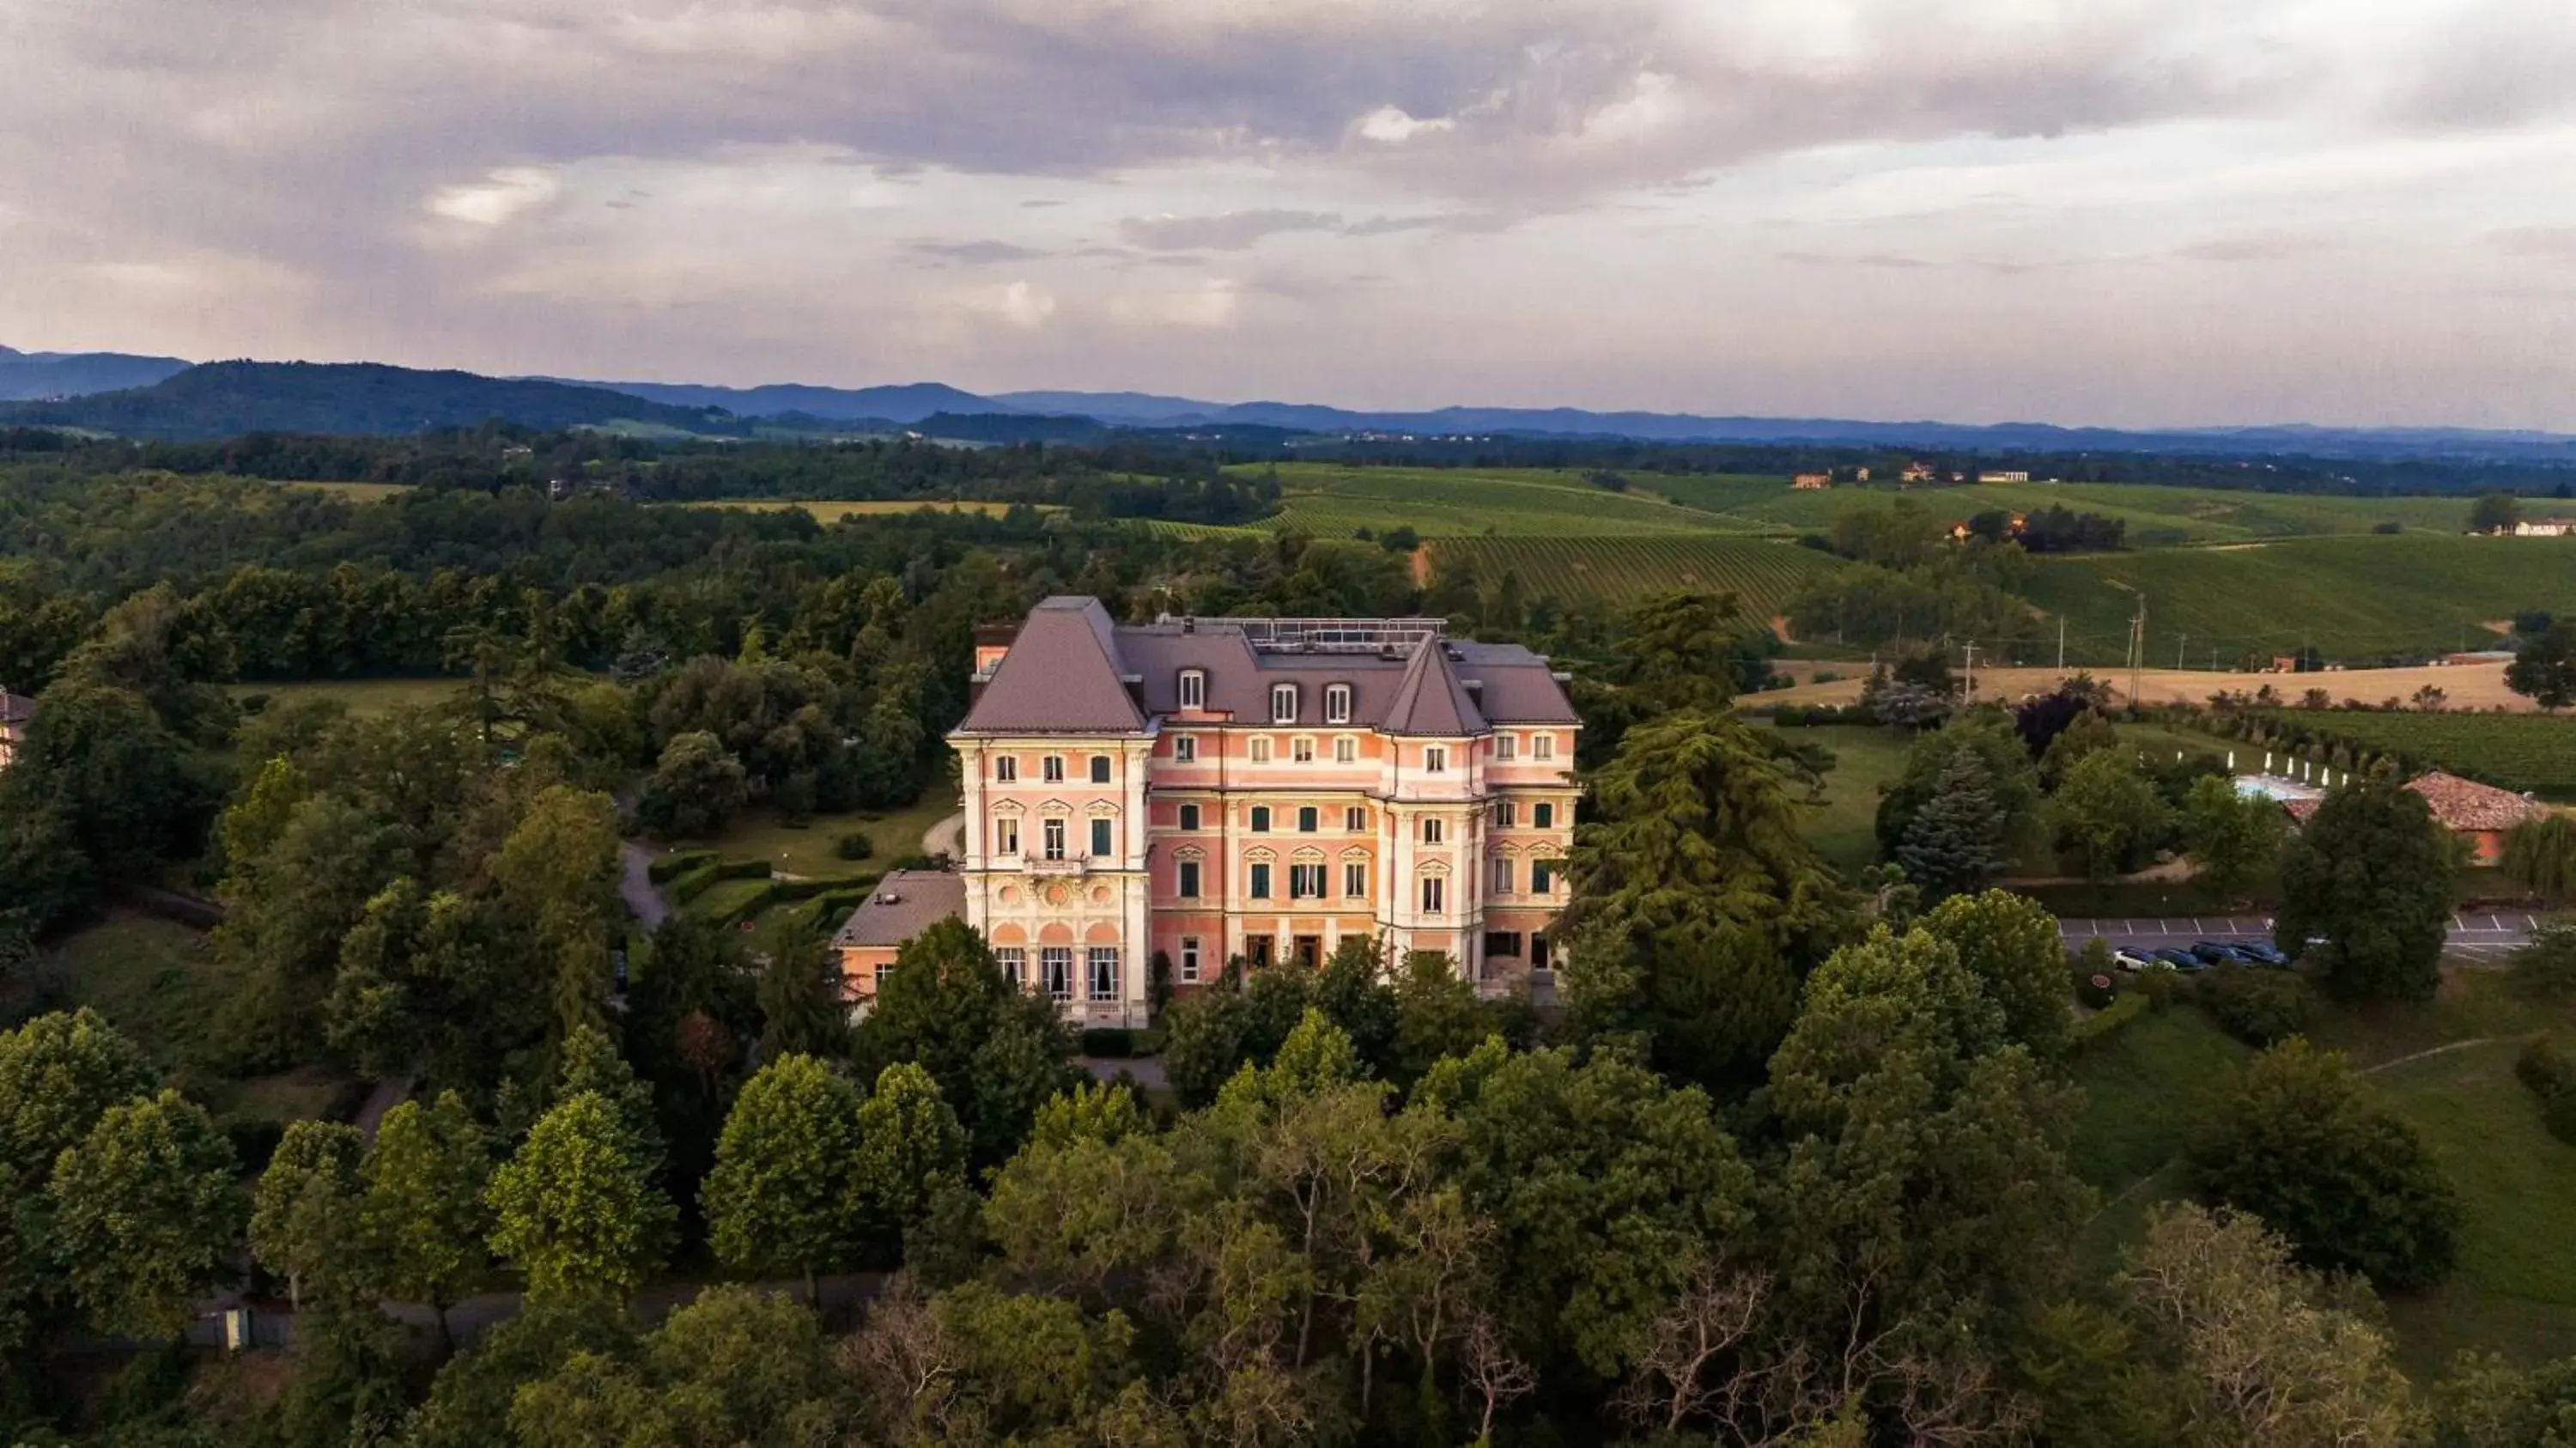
(1070, 865)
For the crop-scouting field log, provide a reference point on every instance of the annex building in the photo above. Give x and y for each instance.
(1211, 788)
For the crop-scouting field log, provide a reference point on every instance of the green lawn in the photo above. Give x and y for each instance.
(157, 982)
(363, 696)
(2141, 1084)
(1844, 828)
(759, 834)
(2515, 1290)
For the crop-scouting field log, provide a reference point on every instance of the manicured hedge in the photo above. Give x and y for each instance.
(2112, 1017)
(678, 862)
(1110, 1042)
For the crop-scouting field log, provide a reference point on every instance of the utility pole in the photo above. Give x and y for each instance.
(2178, 643)
(2061, 643)
(1971, 693)
(2137, 649)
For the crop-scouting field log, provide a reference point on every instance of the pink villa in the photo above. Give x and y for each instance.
(1214, 788)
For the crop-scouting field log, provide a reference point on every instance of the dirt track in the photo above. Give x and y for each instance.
(2468, 686)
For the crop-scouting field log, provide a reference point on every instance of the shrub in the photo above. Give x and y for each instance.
(854, 846)
(2559, 1115)
(2544, 1069)
(1149, 1042)
(688, 886)
(2159, 988)
(2258, 1007)
(2303, 1143)
(2545, 970)
(1110, 1042)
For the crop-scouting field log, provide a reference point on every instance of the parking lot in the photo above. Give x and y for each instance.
(2477, 935)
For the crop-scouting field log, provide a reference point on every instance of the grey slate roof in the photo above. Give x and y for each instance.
(1429, 700)
(1058, 675)
(16, 708)
(904, 904)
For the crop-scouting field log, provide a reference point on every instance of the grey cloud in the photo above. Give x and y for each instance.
(1232, 231)
(2255, 247)
(976, 253)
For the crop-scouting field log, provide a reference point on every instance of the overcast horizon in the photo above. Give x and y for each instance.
(2127, 213)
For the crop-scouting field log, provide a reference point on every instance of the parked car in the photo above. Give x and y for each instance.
(2215, 952)
(2179, 958)
(2261, 952)
(2131, 958)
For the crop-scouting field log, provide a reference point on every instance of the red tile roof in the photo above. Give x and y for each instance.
(2462, 806)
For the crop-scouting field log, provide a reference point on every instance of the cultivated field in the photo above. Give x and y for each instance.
(2516, 751)
(2157, 516)
(2469, 686)
(833, 512)
(2352, 598)
(1607, 572)
(1332, 501)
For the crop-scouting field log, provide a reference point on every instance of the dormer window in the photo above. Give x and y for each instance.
(1283, 703)
(1337, 703)
(1193, 688)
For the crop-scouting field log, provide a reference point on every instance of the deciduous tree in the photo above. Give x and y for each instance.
(58, 1074)
(304, 1215)
(575, 1207)
(2374, 877)
(2232, 837)
(145, 1214)
(2544, 668)
(422, 1216)
(785, 1195)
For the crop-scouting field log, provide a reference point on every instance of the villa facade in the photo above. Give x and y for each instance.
(1263, 789)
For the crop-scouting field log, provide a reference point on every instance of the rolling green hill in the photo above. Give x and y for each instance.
(1760, 572)
(2352, 598)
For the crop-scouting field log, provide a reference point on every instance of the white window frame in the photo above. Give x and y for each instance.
(1310, 871)
(1498, 873)
(1337, 703)
(1435, 759)
(1301, 750)
(1542, 746)
(1006, 836)
(1102, 771)
(1355, 819)
(1100, 973)
(1283, 703)
(1433, 831)
(883, 971)
(1055, 969)
(1101, 825)
(1261, 749)
(1505, 746)
(1185, 749)
(1052, 832)
(1543, 815)
(1355, 884)
(1189, 960)
(1346, 750)
(1188, 878)
(1192, 689)
(1014, 963)
(1006, 769)
(1435, 895)
(1507, 814)
(1053, 769)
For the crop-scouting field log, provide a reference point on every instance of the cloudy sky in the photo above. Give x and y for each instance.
(2111, 211)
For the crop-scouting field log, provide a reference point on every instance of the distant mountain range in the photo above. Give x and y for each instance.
(25, 375)
(166, 397)
(225, 399)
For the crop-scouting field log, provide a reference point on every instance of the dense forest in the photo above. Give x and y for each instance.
(1785, 1161)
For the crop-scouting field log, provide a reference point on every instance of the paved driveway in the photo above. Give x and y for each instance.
(2486, 935)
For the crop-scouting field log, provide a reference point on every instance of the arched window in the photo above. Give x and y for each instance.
(1193, 688)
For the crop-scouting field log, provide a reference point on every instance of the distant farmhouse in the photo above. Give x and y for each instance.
(1918, 473)
(2545, 528)
(2008, 477)
(1812, 481)
(2477, 814)
(15, 712)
